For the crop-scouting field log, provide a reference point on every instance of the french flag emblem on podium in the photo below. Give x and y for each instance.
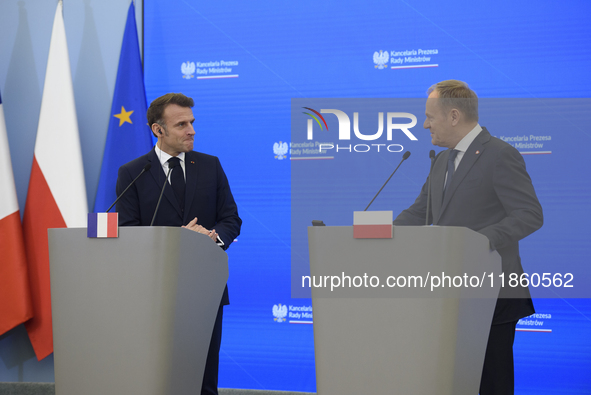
(102, 225)
(372, 224)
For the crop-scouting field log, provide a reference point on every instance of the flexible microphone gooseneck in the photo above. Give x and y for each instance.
(404, 157)
(432, 157)
(170, 167)
(145, 169)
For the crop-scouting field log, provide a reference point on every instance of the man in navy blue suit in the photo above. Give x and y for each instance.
(480, 182)
(198, 196)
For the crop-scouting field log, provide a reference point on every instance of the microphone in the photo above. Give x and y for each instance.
(170, 167)
(145, 169)
(432, 157)
(404, 157)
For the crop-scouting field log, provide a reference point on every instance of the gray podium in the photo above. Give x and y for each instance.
(134, 314)
(402, 340)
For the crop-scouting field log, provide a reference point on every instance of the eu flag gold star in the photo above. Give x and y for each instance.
(124, 116)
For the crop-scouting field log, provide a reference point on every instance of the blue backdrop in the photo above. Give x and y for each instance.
(243, 63)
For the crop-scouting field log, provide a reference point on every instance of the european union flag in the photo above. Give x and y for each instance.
(129, 135)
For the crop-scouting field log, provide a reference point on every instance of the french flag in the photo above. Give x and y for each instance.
(57, 191)
(15, 298)
(102, 225)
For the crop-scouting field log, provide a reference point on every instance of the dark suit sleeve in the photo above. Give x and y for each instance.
(516, 193)
(128, 206)
(415, 214)
(228, 222)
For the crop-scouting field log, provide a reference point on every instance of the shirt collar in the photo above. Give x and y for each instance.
(464, 143)
(164, 157)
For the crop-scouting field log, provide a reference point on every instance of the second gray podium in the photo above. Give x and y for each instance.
(402, 339)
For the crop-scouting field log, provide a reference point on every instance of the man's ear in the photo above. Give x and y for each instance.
(156, 130)
(455, 116)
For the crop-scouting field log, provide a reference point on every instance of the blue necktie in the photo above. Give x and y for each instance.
(177, 179)
(451, 168)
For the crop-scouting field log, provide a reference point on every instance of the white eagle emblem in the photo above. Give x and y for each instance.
(188, 69)
(280, 149)
(380, 59)
(279, 312)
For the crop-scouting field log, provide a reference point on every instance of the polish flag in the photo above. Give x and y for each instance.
(57, 191)
(372, 224)
(15, 299)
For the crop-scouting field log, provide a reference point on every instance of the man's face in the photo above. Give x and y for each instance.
(439, 122)
(178, 134)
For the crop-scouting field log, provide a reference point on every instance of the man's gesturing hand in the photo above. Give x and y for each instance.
(200, 229)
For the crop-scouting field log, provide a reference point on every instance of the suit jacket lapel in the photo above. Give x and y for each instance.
(470, 157)
(156, 169)
(159, 176)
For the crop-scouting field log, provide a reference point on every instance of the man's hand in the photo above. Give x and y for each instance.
(200, 229)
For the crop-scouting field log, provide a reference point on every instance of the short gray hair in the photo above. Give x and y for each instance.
(457, 94)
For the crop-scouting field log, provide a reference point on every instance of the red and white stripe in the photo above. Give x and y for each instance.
(107, 225)
(372, 224)
(57, 192)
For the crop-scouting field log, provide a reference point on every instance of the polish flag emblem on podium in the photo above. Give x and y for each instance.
(372, 224)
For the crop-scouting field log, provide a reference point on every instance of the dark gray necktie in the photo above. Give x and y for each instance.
(177, 179)
(451, 168)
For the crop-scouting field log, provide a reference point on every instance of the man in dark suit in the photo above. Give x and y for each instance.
(198, 195)
(480, 182)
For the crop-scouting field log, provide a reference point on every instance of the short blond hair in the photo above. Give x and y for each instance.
(457, 94)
